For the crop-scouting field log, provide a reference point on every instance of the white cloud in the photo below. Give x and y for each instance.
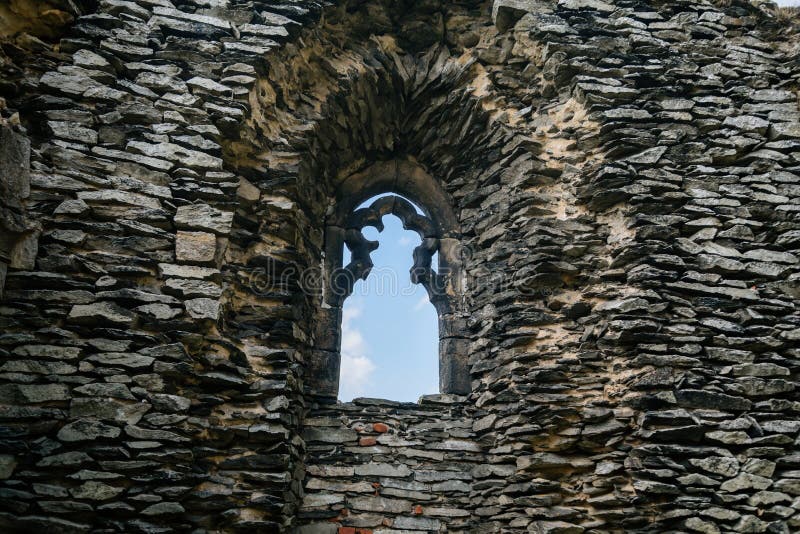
(421, 303)
(352, 310)
(356, 364)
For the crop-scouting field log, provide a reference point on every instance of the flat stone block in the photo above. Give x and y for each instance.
(198, 247)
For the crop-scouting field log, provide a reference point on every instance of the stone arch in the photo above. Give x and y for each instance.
(433, 113)
(440, 233)
(295, 159)
(388, 122)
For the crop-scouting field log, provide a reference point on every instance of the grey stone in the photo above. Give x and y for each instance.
(595, 5)
(47, 351)
(124, 198)
(42, 368)
(203, 217)
(708, 399)
(696, 524)
(187, 271)
(64, 507)
(163, 508)
(121, 359)
(198, 247)
(170, 403)
(203, 308)
(176, 154)
(158, 311)
(32, 394)
(720, 465)
(7, 464)
(750, 523)
(747, 123)
(416, 523)
(108, 409)
(193, 288)
(155, 435)
(379, 504)
(746, 481)
(114, 390)
(95, 491)
(87, 430)
(767, 498)
(66, 459)
(383, 470)
(101, 313)
(330, 435)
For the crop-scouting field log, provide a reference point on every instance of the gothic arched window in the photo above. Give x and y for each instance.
(438, 230)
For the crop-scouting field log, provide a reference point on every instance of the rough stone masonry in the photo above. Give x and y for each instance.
(625, 177)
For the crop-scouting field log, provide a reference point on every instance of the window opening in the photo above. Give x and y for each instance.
(390, 329)
(397, 188)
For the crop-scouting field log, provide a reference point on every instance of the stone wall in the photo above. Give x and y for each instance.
(376, 465)
(17, 232)
(27, 33)
(626, 180)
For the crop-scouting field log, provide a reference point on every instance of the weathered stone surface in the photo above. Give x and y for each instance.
(7, 465)
(101, 313)
(47, 351)
(32, 394)
(746, 481)
(108, 409)
(115, 390)
(87, 430)
(95, 491)
(203, 217)
(203, 308)
(121, 359)
(187, 271)
(620, 182)
(200, 247)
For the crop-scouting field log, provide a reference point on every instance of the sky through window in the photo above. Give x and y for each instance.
(390, 338)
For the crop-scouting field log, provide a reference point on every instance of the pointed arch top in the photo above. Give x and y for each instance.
(403, 177)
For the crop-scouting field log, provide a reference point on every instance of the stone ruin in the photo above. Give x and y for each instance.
(613, 190)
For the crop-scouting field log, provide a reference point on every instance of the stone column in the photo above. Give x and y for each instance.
(18, 234)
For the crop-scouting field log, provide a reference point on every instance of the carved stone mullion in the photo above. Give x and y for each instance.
(422, 271)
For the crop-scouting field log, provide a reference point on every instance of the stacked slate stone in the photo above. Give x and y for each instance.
(626, 179)
(377, 463)
(26, 51)
(124, 407)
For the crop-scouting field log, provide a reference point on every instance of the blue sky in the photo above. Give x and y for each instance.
(788, 2)
(390, 338)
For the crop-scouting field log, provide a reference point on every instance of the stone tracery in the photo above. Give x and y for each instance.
(360, 247)
(439, 235)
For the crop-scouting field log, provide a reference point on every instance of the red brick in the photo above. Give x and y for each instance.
(367, 442)
(418, 510)
(347, 530)
(380, 428)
